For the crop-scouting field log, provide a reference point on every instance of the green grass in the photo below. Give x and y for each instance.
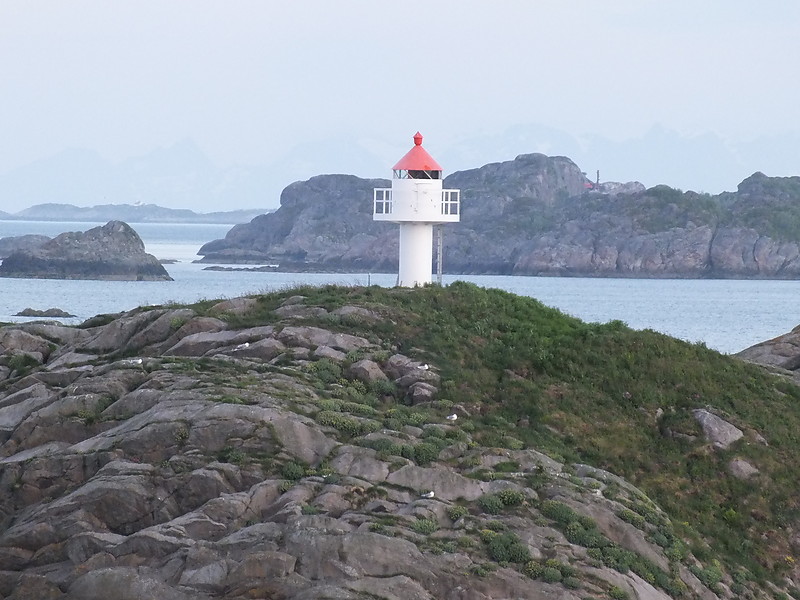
(589, 393)
(586, 393)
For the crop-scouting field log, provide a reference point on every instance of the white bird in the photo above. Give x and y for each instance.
(134, 361)
(427, 495)
(424, 367)
(452, 417)
(243, 346)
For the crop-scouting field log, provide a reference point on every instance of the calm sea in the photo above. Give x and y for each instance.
(728, 315)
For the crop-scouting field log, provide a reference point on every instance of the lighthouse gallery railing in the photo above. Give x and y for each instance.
(382, 202)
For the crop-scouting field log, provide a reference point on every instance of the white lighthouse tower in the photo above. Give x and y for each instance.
(417, 202)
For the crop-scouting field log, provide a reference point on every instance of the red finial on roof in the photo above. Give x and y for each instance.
(417, 159)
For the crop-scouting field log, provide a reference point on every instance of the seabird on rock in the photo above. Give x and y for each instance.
(424, 367)
(243, 346)
(427, 495)
(452, 417)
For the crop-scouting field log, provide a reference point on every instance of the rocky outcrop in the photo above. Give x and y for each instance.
(112, 252)
(782, 351)
(174, 461)
(535, 216)
(717, 430)
(9, 245)
(780, 354)
(326, 220)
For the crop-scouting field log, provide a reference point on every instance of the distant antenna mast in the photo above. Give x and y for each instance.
(598, 178)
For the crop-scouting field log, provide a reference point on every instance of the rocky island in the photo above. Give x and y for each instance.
(363, 443)
(113, 251)
(538, 215)
(49, 312)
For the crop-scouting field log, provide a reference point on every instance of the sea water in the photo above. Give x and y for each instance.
(727, 315)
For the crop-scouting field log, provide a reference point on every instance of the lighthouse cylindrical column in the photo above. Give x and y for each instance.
(416, 254)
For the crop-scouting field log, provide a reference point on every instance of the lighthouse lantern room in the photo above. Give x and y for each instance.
(417, 202)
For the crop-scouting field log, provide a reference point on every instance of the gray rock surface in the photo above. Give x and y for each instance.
(741, 469)
(782, 351)
(9, 245)
(367, 371)
(717, 430)
(113, 251)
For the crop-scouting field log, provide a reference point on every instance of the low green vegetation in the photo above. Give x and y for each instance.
(21, 364)
(457, 512)
(293, 471)
(231, 455)
(600, 394)
(527, 376)
(505, 547)
(495, 503)
(425, 526)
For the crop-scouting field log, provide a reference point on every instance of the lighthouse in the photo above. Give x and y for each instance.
(417, 202)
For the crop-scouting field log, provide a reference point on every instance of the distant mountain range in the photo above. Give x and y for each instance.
(180, 176)
(139, 213)
(704, 163)
(183, 176)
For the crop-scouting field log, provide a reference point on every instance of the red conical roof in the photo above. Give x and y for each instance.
(417, 159)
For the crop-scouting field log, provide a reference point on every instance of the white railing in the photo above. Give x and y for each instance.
(413, 207)
(451, 202)
(382, 201)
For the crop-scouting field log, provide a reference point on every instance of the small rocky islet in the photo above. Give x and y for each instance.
(357, 443)
(113, 251)
(48, 312)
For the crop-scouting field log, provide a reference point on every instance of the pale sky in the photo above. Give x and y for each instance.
(249, 81)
